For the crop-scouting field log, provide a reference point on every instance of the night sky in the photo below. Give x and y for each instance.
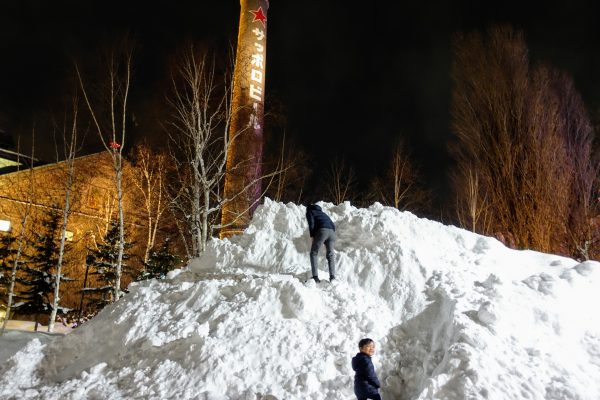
(352, 79)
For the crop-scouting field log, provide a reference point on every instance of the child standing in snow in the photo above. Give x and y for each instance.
(366, 384)
(322, 230)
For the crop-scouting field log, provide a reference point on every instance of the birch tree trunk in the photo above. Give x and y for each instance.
(119, 266)
(70, 152)
(61, 250)
(112, 130)
(13, 275)
(24, 219)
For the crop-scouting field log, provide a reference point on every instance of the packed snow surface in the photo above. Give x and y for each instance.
(454, 315)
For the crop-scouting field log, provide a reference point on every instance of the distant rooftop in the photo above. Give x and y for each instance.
(10, 159)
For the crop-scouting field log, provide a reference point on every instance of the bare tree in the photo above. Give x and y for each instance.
(21, 238)
(472, 209)
(199, 131)
(578, 137)
(488, 109)
(517, 135)
(545, 191)
(401, 187)
(281, 181)
(200, 101)
(341, 181)
(109, 114)
(293, 166)
(199, 127)
(70, 148)
(149, 177)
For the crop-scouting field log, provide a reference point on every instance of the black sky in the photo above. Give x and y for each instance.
(352, 79)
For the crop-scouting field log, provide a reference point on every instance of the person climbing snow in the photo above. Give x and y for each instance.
(322, 231)
(366, 383)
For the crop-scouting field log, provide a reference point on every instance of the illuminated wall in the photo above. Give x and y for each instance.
(244, 155)
(93, 205)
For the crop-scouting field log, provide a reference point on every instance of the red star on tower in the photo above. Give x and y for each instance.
(259, 15)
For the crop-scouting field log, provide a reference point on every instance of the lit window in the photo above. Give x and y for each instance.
(69, 236)
(4, 225)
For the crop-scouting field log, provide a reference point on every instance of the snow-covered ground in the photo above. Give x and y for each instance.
(454, 315)
(30, 326)
(14, 340)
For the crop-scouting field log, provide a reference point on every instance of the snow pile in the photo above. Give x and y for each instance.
(455, 315)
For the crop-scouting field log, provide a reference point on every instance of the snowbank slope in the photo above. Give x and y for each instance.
(455, 316)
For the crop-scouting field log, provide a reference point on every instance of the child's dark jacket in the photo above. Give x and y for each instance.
(365, 380)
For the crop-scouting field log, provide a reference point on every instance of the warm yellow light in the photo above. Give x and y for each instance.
(4, 225)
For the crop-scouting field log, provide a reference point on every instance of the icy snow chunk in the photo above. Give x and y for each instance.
(486, 313)
(543, 283)
(586, 268)
(482, 245)
(296, 303)
(174, 273)
(310, 381)
(20, 371)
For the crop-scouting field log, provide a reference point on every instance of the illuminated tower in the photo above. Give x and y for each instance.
(244, 154)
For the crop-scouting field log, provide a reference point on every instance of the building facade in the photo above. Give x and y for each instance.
(29, 195)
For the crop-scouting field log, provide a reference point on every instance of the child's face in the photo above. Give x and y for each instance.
(368, 349)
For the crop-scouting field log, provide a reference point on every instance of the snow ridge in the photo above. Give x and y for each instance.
(455, 315)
